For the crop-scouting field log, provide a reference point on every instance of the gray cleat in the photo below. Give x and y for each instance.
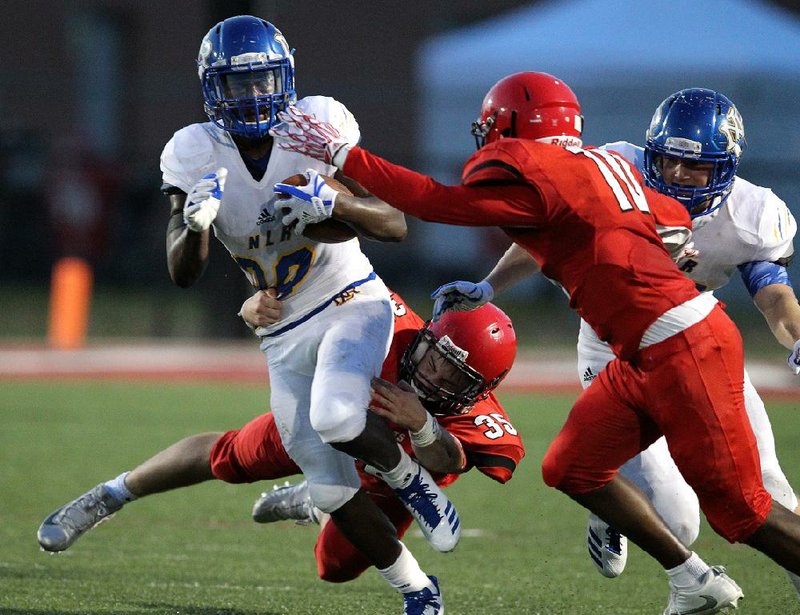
(71, 521)
(286, 502)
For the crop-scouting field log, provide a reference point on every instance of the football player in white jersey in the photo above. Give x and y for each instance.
(692, 151)
(336, 314)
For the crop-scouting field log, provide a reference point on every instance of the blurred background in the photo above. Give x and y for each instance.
(93, 89)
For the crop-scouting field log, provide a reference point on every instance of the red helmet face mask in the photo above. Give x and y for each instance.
(460, 358)
(530, 105)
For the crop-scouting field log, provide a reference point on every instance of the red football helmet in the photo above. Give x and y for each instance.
(530, 105)
(460, 358)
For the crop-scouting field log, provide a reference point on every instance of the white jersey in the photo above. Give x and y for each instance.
(752, 225)
(306, 273)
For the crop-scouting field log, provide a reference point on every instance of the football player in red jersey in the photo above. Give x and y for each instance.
(447, 369)
(585, 218)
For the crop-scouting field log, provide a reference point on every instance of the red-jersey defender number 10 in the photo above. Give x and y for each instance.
(617, 172)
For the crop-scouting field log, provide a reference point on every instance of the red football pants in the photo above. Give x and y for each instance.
(690, 389)
(255, 452)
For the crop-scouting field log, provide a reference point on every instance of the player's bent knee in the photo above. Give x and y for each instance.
(223, 462)
(329, 498)
(340, 426)
(686, 532)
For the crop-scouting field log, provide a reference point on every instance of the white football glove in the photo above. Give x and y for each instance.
(307, 204)
(202, 202)
(461, 296)
(794, 358)
(305, 134)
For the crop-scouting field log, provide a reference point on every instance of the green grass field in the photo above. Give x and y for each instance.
(196, 551)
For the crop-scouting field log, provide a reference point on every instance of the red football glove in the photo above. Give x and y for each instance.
(305, 134)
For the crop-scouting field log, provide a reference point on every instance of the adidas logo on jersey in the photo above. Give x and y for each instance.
(265, 217)
(589, 375)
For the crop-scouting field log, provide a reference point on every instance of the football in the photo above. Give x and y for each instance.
(328, 231)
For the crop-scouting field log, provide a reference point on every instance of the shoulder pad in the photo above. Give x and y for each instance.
(762, 219)
(187, 156)
(631, 152)
(495, 163)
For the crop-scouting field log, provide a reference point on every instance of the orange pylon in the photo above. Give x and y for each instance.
(70, 296)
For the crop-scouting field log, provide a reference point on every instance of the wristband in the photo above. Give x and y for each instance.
(340, 156)
(427, 434)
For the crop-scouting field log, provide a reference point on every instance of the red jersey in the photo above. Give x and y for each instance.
(490, 442)
(583, 214)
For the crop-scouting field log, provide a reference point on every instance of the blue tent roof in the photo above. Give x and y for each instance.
(577, 39)
(622, 57)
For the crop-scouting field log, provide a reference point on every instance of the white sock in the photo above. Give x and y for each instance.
(686, 575)
(118, 490)
(405, 575)
(402, 472)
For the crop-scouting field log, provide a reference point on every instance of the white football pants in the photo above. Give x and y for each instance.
(320, 374)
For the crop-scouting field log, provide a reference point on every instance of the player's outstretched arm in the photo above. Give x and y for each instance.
(513, 267)
(434, 447)
(369, 215)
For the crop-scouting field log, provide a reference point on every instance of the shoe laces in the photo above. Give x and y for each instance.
(73, 515)
(415, 602)
(420, 497)
(293, 503)
(614, 540)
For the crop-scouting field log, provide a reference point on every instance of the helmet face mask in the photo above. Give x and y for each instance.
(247, 74)
(703, 128)
(457, 360)
(440, 377)
(529, 105)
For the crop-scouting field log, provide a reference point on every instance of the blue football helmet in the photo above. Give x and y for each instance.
(699, 125)
(247, 72)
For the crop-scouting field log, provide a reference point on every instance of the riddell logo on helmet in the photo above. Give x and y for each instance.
(562, 141)
(448, 347)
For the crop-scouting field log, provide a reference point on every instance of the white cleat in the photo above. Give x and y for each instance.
(716, 593)
(432, 509)
(608, 549)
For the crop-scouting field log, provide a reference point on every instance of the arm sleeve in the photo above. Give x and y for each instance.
(758, 274)
(421, 196)
(490, 442)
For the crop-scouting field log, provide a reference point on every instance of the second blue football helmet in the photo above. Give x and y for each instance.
(700, 125)
(247, 72)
